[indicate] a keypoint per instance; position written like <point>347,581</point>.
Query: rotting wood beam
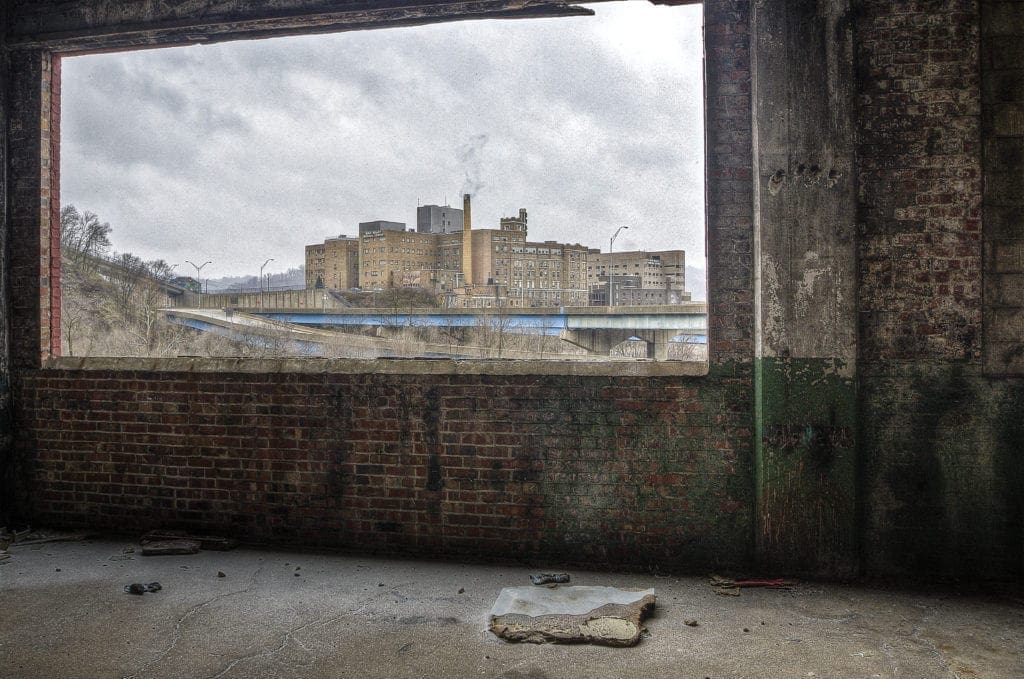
<point>74,26</point>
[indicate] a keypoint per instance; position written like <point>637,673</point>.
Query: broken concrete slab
<point>598,615</point>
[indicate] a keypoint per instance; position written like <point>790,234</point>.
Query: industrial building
<point>637,277</point>
<point>467,267</point>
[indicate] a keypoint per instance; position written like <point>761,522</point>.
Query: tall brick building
<point>860,413</point>
<point>333,264</point>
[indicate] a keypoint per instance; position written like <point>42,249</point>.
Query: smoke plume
<point>471,155</point>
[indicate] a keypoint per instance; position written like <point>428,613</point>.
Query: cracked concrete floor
<point>63,613</point>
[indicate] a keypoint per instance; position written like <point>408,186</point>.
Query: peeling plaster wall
<point>805,273</point>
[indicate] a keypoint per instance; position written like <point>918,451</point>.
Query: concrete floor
<point>63,613</point>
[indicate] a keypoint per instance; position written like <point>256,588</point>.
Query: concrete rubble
<point>598,615</point>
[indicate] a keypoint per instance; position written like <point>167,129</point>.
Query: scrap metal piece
<point>170,547</point>
<point>208,542</point>
<point>548,578</point>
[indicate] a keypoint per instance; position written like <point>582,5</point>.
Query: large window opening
<point>528,189</point>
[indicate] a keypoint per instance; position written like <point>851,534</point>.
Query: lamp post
<point>611,247</point>
<point>199,269</point>
<point>261,280</point>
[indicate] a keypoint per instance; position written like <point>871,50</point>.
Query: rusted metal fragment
<point>170,547</point>
<point>76,26</point>
<point>597,615</point>
<point>210,542</point>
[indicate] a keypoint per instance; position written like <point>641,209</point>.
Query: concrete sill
<point>387,366</point>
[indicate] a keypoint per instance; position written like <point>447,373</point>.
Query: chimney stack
<point>467,240</point>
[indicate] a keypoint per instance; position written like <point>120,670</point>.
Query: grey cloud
<point>253,149</point>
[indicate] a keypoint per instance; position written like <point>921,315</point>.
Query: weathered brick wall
<point>30,207</point>
<point>1002,62</point>
<point>729,164</point>
<point>920,180</point>
<point>6,431</point>
<point>633,472</point>
<point>625,471</point>
<point>941,464</point>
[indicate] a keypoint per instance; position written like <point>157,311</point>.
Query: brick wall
<point>633,472</point>
<point>1002,64</point>
<point>728,166</point>
<point>941,465</point>
<point>6,431</point>
<point>920,180</point>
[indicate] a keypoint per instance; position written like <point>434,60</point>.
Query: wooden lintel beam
<point>74,30</point>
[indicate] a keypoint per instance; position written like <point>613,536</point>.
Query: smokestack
<point>467,240</point>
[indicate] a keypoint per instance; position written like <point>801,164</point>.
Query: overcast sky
<point>242,151</point>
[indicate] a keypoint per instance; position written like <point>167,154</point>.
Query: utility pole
<point>611,247</point>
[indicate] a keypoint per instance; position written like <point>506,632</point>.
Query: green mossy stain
<point>340,409</point>
<point>919,482</point>
<point>432,436</point>
<point>665,481</point>
<point>805,468</point>
<point>1010,467</point>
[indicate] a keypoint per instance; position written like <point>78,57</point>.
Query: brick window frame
<point>34,152</point>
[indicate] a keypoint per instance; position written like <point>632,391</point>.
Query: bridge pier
<point>601,341</point>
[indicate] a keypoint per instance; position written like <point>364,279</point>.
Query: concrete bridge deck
<point>277,335</point>
<point>684,318</point>
<point>595,329</point>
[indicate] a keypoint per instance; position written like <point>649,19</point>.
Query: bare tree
<point>83,235</point>
<point>126,275</point>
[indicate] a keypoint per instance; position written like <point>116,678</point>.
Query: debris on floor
<point>169,547</point>
<point>208,542</point>
<point>598,615</point>
<point>168,542</point>
<point>24,537</point>
<point>139,588</point>
<point>549,578</point>
<point>732,586</point>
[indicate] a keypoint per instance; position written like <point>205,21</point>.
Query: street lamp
<point>261,272</point>
<point>611,247</point>
<point>261,280</point>
<point>199,268</point>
